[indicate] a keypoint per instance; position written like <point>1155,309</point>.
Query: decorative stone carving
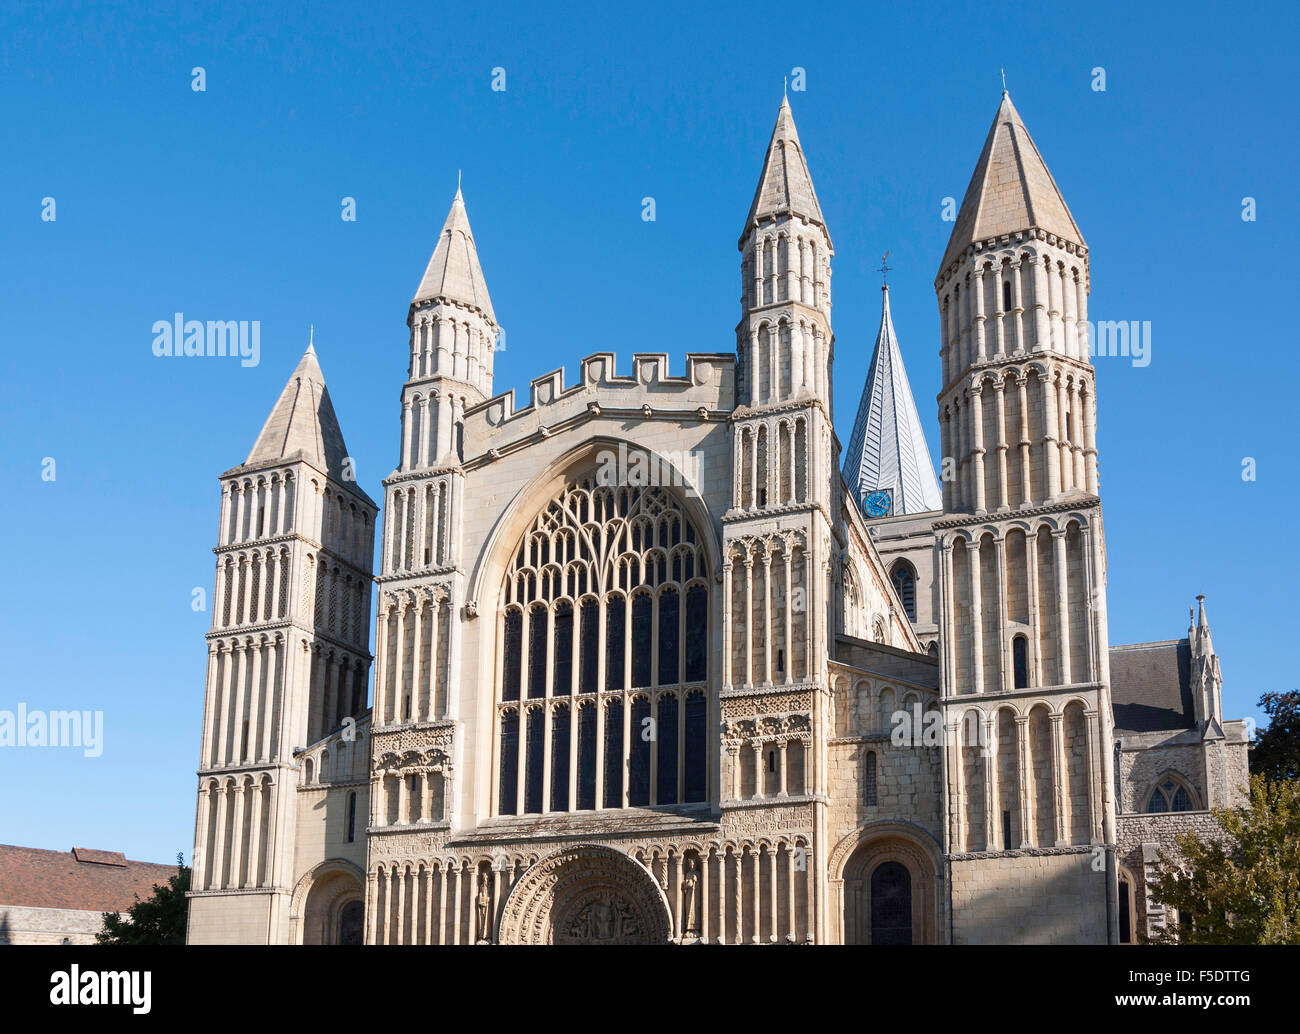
<point>586,894</point>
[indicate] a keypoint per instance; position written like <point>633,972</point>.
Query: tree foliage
<point>159,919</point>
<point>1276,751</point>
<point>1242,887</point>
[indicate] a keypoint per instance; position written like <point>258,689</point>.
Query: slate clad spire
<point>887,449</point>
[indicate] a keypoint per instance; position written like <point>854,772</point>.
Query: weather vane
<point>1004,80</point>
<point>785,87</point>
<point>885,267</point>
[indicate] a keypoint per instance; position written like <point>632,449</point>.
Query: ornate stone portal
<point>586,894</point>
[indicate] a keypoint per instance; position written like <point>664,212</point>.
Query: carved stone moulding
<point>586,894</point>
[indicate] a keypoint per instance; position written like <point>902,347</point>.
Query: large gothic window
<point>604,639</point>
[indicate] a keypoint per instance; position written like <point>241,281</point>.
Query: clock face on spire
<point>879,503</point>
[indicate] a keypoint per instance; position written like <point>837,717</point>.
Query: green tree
<point>1242,887</point>
<point>1276,751</point>
<point>160,919</point>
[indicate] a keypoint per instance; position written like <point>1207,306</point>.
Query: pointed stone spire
<point>1203,628</point>
<point>785,186</point>
<point>1206,678</point>
<point>454,272</point>
<point>1010,190</point>
<point>887,449</point>
<point>302,425</point>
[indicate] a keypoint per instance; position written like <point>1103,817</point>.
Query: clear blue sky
<point>226,205</point>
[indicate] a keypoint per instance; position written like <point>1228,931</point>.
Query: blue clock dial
<point>878,504</point>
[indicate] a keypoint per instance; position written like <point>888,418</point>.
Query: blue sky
<point>225,204</point>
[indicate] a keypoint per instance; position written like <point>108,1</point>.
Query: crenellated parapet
<point>705,392</point>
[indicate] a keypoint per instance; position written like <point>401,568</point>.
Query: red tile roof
<point>97,881</point>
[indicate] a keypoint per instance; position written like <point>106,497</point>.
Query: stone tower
<point>453,333</point>
<point>288,656</point>
<point>777,536</point>
<point>1022,563</point>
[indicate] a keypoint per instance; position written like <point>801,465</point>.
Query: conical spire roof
<point>1010,190</point>
<point>302,425</point>
<point>785,187</point>
<point>454,271</point>
<point>887,448</point>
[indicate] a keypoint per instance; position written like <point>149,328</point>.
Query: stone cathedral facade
<point>653,662</point>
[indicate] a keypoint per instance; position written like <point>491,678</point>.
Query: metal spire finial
<point>785,87</point>
<point>1004,82</point>
<point>884,269</point>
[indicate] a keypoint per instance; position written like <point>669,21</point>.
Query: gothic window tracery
<point>1171,793</point>
<point>604,645</point>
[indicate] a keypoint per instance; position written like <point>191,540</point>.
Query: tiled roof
<point>96,881</point>
<point>1150,687</point>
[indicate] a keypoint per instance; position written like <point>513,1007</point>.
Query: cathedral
<point>655,661</point>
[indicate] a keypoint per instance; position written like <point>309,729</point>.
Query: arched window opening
<point>1006,295</point>
<point>904,579</point>
<point>1020,661</point>
<point>352,817</point>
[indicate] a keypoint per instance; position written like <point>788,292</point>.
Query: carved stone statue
<point>482,901</point>
<point>689,880</point>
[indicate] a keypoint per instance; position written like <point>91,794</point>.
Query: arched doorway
<point>886,878</point>
<point>328,905</point>
<point>587,894</point>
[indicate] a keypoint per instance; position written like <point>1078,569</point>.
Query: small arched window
<point>904,579</point>
<point>1170,794</point>
<point>352,817</point>
<point>1020,661</point>
<point>1006,295</point>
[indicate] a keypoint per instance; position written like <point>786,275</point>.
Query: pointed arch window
<point>606,606</point>
<point>1171,793</point>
